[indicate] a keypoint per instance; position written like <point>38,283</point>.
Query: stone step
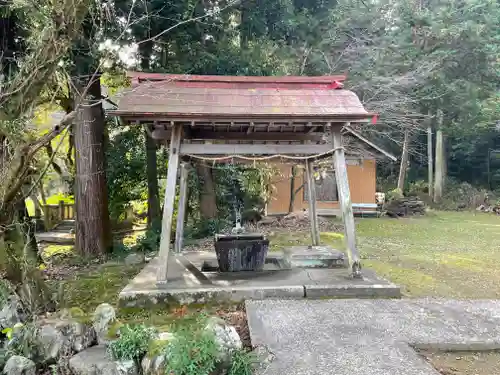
<point>56,237</point>
<point>97,361</point>
<point>66,226</point>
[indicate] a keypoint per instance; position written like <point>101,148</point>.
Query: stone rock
<point>134,259</point>
<point>226,337</point>
<point>51,343</point>
<point>18,365</point>
<point>263,357</point>
<point>126,367</point>
<point>97,361</point>
<point>104,316</point>
<point>153,365</point>
<point>81,336</point>
<point>9,315</point>
<point>78,333</point>
<point>154,361</point>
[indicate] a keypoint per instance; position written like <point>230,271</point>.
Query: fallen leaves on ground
<point>237,317</point>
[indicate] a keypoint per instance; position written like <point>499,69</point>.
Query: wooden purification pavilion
<point>299,118</point>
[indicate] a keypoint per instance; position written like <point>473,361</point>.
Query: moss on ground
<point>58,253</point>
<point>90,287</point>
<point>102,284</point>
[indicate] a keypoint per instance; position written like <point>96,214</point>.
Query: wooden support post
<point>430,163</point>
<point>168,206</point>
<point>311,190</point>
<point>61,211</point>
<point>181,211</point>
<point>344,194</point>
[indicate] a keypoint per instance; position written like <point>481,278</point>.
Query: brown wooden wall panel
<point>280,197</point>
<point>362,182</point>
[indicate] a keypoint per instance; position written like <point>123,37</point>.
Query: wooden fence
<point>56,213</point>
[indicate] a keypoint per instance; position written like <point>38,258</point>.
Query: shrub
<point>418,187</point>
<point>394,194</point>
<point>461,195</point>
<point>133,342</point>
<point>149,241</point>
<point>193,352</point>
<point>241,363</point>
<point>205,228</point>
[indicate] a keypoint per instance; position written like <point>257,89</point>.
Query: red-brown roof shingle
<point>167,98</point>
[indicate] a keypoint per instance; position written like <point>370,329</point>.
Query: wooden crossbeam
<point>253,149</point>
<point>161,134</point>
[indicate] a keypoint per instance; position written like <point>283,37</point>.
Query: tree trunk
<point>28,228</point>
<point>93,235</point>
<point>445,164</point>
<point>208,199</point>
<point>292,189</point>
<point>36,204</point>
<point>154,215</point>
<point>404,161</point>
<point>430,163</point>
<point>145,51</point>
<point>438,180</point>
<point>42,194</point>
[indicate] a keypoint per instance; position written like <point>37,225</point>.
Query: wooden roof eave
<point>169,116</point>
<point>377,148</point>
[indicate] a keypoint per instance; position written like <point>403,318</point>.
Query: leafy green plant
<point>241,362</point>
<point>418,187</point>
<point>5,292</point>
<point>149,241</point>
<point>394,194</point>
<point>4,356</point>
<point>193,352</point>
<point>133,342</point>
<point>22,340</point>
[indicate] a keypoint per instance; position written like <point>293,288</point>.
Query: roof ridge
<point>138,77</point>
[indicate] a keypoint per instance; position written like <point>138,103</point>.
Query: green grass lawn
<point>444,254</point>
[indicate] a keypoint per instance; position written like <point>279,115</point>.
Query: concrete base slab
<point>314,257</point>
<point>368,337</point>
<point>56,237</point>
<point>187,284</point>
<point>289,257</point>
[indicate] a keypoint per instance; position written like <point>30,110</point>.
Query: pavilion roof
<point>221,98</point>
